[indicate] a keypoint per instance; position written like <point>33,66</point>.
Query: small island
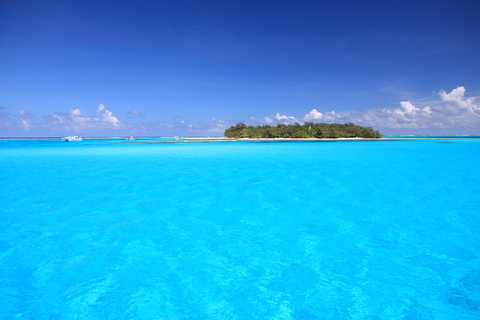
<point>307,130</point>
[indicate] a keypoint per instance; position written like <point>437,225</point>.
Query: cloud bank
<point>453,113</point>
<point>102,124</point>
<point>449,113</point>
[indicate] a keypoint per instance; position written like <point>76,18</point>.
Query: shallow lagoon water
<point>240,230</point>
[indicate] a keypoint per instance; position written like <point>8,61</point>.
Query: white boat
<point>131,138</point>
<point>72,138</point>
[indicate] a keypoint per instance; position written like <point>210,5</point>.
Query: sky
<point>195,68</point>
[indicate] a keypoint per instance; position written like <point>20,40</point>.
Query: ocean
<point>104,229</point>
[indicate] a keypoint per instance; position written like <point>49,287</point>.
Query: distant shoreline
<point>226,139</point>
<point>270,139</point>
<point>330,139</point>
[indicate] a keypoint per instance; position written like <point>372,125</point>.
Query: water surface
<point>237,230</point>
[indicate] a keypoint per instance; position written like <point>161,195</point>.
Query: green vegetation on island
<point>307,130</point>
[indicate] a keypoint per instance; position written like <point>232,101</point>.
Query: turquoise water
<point>240,230</point>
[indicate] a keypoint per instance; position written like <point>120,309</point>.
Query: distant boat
<point>72,138</point>
<point>131,138</point>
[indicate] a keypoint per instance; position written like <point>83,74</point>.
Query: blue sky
<point>165,68</point>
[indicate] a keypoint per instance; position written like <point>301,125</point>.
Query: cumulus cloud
<point>109,118</point>
<point>285,119</point>
<point>408,108</point>
<point>78,122</point>
<point>24,118</point>
<point>313,115</point>
<point>456,97</point>
<point>107,115</point>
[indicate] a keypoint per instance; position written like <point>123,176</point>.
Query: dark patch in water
<point>467,292</point>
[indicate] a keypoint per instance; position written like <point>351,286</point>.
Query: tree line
<point>307,130</point>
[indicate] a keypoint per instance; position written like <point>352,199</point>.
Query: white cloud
<point>24,118</point>
<point>457,98</point>
<point>408,108</point>
<point>109,118</point>
<point>78,122</point>
<point>74,120</point>
<point>218,125</point>
<point>285,119</point>
<point>313,115</point>
<point>331,116</point>
<point>105,123</point>
<point>450,113</point>
<point>268,120</point>
<point>453,112</point>
<point>274,120</point>
<point>427,109</point>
